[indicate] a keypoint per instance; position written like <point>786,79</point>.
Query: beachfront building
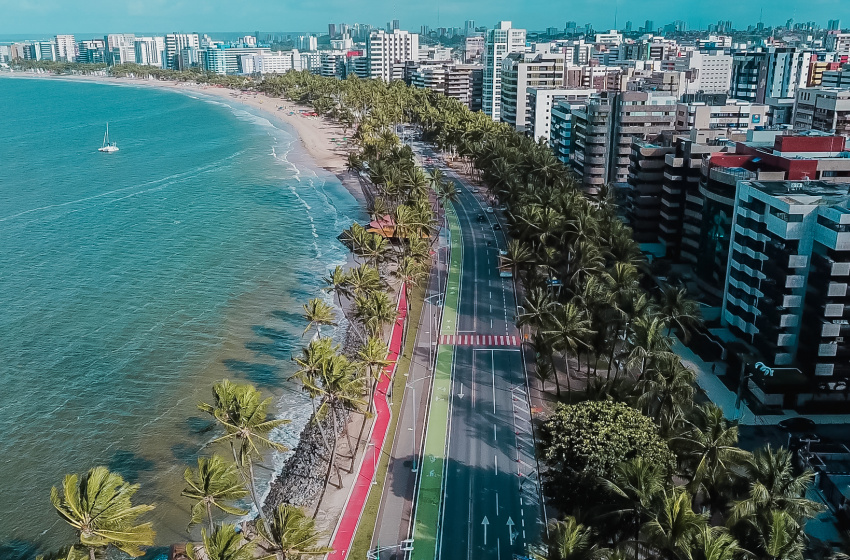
<point>66,48</point>
<point>150,51</point>
<point>120,48</point>
<point>174,45</point>
<point>498,44</point>
<point>388,53</point>
<point>458,81</point>
<point>92,52</point>
<point>787,292</point>
<point>224,59</point>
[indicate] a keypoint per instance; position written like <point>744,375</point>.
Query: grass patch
<point>366,528</point>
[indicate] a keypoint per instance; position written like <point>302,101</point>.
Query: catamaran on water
<point>108,147</point>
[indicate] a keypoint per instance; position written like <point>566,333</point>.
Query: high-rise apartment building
<point>175,43</point>
<point>389,52</point>
<point>772,77</point>
<point>469,27</point>
<point>787,293</point>
<point>120,48</point>
<point>66,48</point>
<point>521,71</point>
<point>498,44</point>
<point>824,109</point>
<point>308,43</point>
<point>150,51</point>
<point>709,71</point>
<point>92,52</point>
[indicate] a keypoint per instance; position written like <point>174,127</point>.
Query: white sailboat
<point>108,147</point>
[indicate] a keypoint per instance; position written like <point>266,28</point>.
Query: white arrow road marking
<point>511,529</point>
<point>485,522</point>
<point>460,395</point>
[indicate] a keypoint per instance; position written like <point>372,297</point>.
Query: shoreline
<point>298,479</point>
<point>325,142</point>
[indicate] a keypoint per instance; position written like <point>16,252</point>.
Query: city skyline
<point>98,16</point>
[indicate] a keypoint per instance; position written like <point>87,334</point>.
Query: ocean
<point>131,282</point>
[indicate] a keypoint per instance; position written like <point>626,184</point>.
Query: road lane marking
<point>493,367</point>
<point>497,504</point>
<point>494,432</point>
<point>496,463</point>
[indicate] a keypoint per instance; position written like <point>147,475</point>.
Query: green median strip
<point>425,526</point>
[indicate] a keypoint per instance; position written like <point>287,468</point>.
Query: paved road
<point>477,458</point>
<point>491,503</point>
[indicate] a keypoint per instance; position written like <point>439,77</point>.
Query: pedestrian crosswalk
<point>479,340</point>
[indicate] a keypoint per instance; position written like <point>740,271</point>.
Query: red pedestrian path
<point>345,529</point>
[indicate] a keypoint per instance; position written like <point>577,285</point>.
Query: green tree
<point>98,505</point>
<point>679,311</point>
<point>583,443</point>
<point>212,485</point>
<point>291,534</point>
<point>570,540</point>
<point>224,543</point>
<point>318,313</point>
<point>243,413</point>
<point>673,531</point>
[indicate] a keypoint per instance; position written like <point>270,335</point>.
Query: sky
<point>49,17</point>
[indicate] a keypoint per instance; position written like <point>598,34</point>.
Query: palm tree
<point>311,363</point>
<point>713,543</point>
<point>318,313</point>
<point>518,255</point>
<point>364,279</point>
<point>224,543</point>
<point>667,390</point>
<point>342,388</point>
<point>337,282</point>
<point>648,342</point>
<point>636,486</point>
<point>570,540</point>
<point>375,311</point>
<point>291,534</point>
<point>212,485</point>
<point>775,486</point>
<point>98,505</point>
<point>679,311</point>
<point>709,452</point>
<point>410,273</point>
<point>570,329</point>
<point>676,525</point>
<point>244,415</point>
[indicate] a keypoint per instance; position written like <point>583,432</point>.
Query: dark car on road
<point>798,424</point>
<point>481,218</point>
<point>497,227</point>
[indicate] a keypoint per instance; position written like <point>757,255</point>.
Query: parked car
<point>489,209</point>
<point>476,190</point>
<point>506,274</point>
<point>497,227</point>
<point>481,218</point>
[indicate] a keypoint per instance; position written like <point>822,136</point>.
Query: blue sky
<point>97,16</point>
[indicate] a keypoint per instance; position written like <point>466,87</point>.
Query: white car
<point>506,274</point>
<point>476,190</point>
<point>489,209</point>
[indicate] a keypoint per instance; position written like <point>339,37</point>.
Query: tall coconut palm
<point>667,390</point>
<point>570,540</point>
<point>290,534</point>
<point>636,487</point>
<point>647,343</point>
<point>223,543</point>
<point>679,311</point>
<point>311,363</point>
<point>708,451</point>
<point>98,506</point>
<point>570,330</point>
<point>713,543</point>
<point>775,486</point>
<point>318,313</point>
<point>243,413</point>
<point>673,530</point>
<point>212,485</point>
<point>375,311</point>
<point>342,388</point>
<point>518,254</point>
<point>364,279</point>
<point>337,283</point>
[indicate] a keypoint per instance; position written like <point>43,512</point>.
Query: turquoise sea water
<point>130,282</point>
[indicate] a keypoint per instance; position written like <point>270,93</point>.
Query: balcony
<point>729,175</point>
<point>793,301</point>
<point>836,289</point>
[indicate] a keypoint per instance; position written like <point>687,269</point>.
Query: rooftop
<point>794,192</point>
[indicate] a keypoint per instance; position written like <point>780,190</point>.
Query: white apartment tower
<point>150,51</point>
<point>387,53</point>
<point>174,45</point>
<point>498,43</point>
<point>121,47</point>
<point>66,48</point>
